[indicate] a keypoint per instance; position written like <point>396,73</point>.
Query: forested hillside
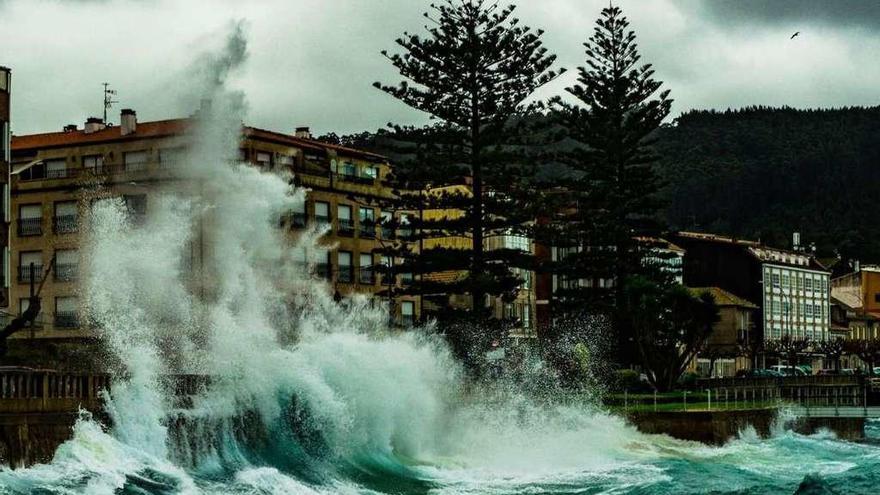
<point>764,173</point>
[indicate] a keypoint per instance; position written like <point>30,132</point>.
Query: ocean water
<point>310,396</point>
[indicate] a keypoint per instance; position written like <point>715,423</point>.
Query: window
<point>30,220</point>
<point>366,269</point>
<point>345,224</point>
<point>66,265</point>
<point>367,218</point>
<point>66,312</point>
<point>135,160</point>
<point>786,281</point>
<point>775,279</point>
<point>345,267</point>
<point>808,283</point>
<point>35,171</point>
<point>56,169</point>
<point>323,269</point>
<point>23,304</point>
<point>285,160</point>
<point>322,213</point>
<point>817,311</point>
<point>4,80</point>
<point>407,312</point>
<point>264,159</point>
<point>775,307</point>
<point>405,231</point>
<point>136,205</point>
<point>387,268</point>
<point>387,229</point>
<point>26,260</point>
<point>371,172</point>
<point>877,297</point>
<point>94,163</point>
<point>65,219</point>
<point>169,157</point>
<point>349,168</point>
<point>809,313</point>
<point>298,216</point>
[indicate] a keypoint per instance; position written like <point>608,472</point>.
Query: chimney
<point>128,121</point>
<point>303,132</point>
<point>93,124</point>
<point>70,128</point>
<point>796,241</point>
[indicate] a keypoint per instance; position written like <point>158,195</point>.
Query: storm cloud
<point>312,62</point>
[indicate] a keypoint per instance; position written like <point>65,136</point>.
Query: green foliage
<point>763,173</point>
<point>471,72</point>
<point>669,326</point>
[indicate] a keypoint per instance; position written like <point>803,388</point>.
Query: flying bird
<point>795,34</point>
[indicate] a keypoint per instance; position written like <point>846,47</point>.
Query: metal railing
<point>367,276</point>
<point>356,179</point>
<point>30,226</point>
<point>66,319</point>
<point>345,227</point>
<point>322,270</point>
<point>64,224</point>
<point>345,274</point>
<point>24,273</point>
<point>368,229</point>
<point>297,220</point>
<point>66,272</point>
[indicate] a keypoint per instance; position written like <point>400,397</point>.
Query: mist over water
<point>312,396</point>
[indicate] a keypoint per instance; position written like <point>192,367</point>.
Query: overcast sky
<point>312,62</point>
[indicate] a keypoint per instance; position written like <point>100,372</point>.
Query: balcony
<point>297,220</point>
<point>30,226</point>
<point>66,272</point>
<point>355,179</point>
<point>345,228</point>
<point>66,319</point>
<point>367,276</point>
<point>64,224</point>
<point>345,275</point>
<point>60,173</point>
<point>322,221</point>
<point>322,270</point>
<point>24,274</point>
<point>368,229</point>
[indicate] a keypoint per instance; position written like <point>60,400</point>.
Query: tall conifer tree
<point>611,200</point>
<point>471,72</point>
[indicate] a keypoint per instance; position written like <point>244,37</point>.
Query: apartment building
<point>5,158</point>
<point>54,178</point>
<point>790,289</point>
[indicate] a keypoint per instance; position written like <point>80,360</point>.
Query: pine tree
<point>611,199</point>
<point>471,73</point>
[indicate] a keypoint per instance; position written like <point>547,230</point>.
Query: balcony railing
<point>66,272</point>
<point>367,276</point>
<point>297,220</point>
<point>24,273</point>
<point>59,174</point>
<point>66,319</point>
<point>345,228</point>
<point>355,179</point>
<point>387,232</point>
<point>30,226</point>
<point>64,224</point>
<point>368,229</point>
<point>322,221</point>
<point>322,270</point>
<point>345,275</point>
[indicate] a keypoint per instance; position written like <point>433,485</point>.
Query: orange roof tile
<point>159,128</point>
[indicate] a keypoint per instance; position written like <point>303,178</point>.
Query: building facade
<point>721,354</point>
<point>790,288</point>
<point>55,177</point>
<point>5,159</point>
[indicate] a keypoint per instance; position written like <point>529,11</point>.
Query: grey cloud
<point>842,13</point>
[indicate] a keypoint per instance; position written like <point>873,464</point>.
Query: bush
<point>627,380</point>
<point>688,380</point>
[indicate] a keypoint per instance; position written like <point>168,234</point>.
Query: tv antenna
<point>108,99</point>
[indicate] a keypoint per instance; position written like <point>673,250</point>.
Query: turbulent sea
<point>312,396</point>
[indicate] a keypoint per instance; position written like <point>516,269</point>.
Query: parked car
<point>786,370</point>
<point>758,373</point>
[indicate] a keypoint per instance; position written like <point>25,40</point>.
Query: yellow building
<point>53,179</point>
<point>522,307</point>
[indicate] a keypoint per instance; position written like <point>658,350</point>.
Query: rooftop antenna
<point>108,99</point>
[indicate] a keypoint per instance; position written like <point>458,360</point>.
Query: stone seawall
<point>716,427</point>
